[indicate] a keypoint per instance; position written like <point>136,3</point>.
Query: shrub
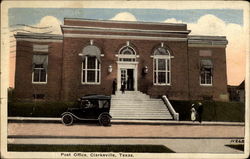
<point>37,109</point>
<point>212,110</point>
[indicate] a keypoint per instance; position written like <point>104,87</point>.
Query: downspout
<point>62,53</point>
<point>188,71</point>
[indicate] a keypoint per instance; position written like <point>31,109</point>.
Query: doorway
<point>130,79</point>
<point>128,73</point>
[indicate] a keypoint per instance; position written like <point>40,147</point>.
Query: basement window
<point>38,96</point>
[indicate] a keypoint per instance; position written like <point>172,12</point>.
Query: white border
<point>112,4</point>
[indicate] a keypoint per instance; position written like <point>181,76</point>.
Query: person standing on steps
<point>193,113</point>
<point>123,86</point>
<point>114,85</point>
<point>200,111</point>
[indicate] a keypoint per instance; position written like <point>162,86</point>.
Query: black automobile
<point>90,107</point>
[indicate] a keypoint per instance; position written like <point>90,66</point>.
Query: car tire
<point>104,120</point>
<point>67,119</point>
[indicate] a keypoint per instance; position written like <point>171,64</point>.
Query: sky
<point>217,22</point>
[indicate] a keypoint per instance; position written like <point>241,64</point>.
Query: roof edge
<point>128,22</point>
<point>38,36</point>
<point>206,37</point>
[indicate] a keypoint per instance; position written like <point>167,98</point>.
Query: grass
<point>237,147</point>
<point>90,148</point>
<point>212,110</point>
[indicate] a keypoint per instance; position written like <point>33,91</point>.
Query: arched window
<point>91,66</point>
<point>162,66</point>
<point>127,54</point>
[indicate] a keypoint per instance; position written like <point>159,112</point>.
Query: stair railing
<point>170,108</point>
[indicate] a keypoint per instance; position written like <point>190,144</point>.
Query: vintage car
<point>89,107</point>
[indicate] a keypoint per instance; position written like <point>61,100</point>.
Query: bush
<point>10,94</point>
<point>38,109</point>
<point>212,110</point>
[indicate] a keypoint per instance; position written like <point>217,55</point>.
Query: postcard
<point>124,79</point>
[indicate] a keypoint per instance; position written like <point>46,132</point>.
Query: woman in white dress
<point>193,113</point>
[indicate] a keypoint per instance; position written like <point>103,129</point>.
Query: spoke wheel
<point>67,119</point>
<point>104,120</point>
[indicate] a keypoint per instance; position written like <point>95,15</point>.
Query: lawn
<point>90,148</point>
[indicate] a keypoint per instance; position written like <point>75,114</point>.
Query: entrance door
<point>124,76</point>
<point>130,79</point>
<point>127,75</point>
<point>127,72</point>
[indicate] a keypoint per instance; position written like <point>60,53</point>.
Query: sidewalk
<point>115,121</point>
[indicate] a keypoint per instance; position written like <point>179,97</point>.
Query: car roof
<point>95,97</point>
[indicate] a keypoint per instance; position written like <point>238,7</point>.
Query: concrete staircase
<point>135,105</point>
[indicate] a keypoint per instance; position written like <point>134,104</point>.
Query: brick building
<point>153,58</point>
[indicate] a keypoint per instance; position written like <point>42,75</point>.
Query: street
<point>180,138</point>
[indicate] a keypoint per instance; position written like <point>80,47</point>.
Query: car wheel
<point>67,119</point>
<point>104,120</point>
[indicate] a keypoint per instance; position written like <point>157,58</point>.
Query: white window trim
<point>206,84</point>
<point>96,71</point>
<point>166,58</point>
<point>127,56</point>
<point>46,79</point>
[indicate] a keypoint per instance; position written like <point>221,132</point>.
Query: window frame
<point>167,71</point>
<point>46,76</point>
<point>206,74</point>
<point>85,70</point>
<point>122,56</point>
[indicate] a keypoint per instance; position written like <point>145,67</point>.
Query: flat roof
<point>38,36</point>
<point>126,22</point>
<point>206,37</point>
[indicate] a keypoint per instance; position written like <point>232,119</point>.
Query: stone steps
<point>136,105</point>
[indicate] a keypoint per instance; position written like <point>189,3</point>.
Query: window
<point>127,54</point>
<point>206,67</point>
<point>91,70</point>
<point>91,58</point>
<point>38,96</point>
<point>40,64</point>
<point>161,66</point>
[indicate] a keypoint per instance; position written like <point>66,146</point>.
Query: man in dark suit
<point>200,111</point>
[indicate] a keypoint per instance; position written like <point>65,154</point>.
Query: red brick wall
<point>219,86</point>
<point>64,65</point>
<point>73,88</point>
<point>178,86</point>
<point>72,62</point>
<point>24,89</point>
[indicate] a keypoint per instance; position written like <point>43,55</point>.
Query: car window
<point>93,104</point>
<point>103,103</point>
<point>86,104</point>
